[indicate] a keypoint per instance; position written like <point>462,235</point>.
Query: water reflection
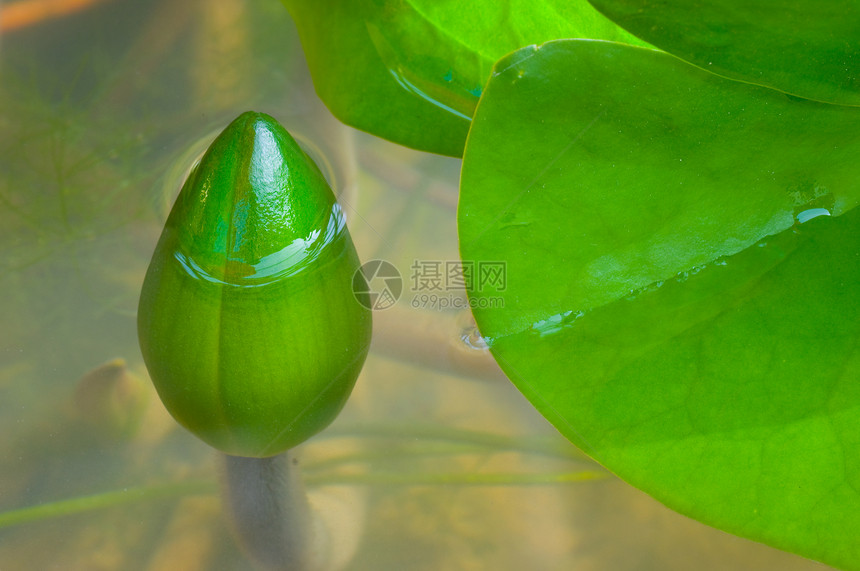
<point>296,257</point>
<point>808,215</point>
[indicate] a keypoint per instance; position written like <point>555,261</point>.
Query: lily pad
<point>805,47</point>
<point>664,307</point>
<point>412,71</point>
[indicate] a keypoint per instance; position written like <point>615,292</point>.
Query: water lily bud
<point>110,400</point>
<point>247,319</point>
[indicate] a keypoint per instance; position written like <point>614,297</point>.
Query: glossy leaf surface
<point>412,71</point>
<point>807,48</point>
<point>247,321</point>
<point>663,306</point>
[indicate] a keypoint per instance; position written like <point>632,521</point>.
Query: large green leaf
<point>810,48</point>
<point>411,71</point>
<point>664,307</point>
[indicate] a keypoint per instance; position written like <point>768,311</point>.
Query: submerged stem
<point>265,501</point>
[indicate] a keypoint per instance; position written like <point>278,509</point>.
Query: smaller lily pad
<point>412,71</point>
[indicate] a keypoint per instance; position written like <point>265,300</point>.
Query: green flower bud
<point>247,320</point>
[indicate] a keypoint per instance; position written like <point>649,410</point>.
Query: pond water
<point>437,462</point>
